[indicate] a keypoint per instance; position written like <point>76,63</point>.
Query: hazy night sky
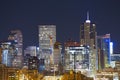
<point>67,15</point>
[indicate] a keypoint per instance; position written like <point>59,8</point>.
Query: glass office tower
<point>103,43</point>
<point>47,38</point>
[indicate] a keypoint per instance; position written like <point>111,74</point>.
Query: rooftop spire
<point>87,21</point>
<point>87,15</point>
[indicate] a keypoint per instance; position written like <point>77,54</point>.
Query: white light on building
<point>111,47</point>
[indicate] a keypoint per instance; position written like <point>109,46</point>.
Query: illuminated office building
<point>7,54</point>
<point>30,50</point>
<point>114,58</point>
<point>17,39</point>
<point>88,37</point>
<point>7,73</point>
<point>57,55</point>
<point>117,65</point>
<point>103,43</point>
<point>47,38</point>
<point>3,72</point>
<point>76,57</point>
<point>108,74</point>
<point>55,58</point>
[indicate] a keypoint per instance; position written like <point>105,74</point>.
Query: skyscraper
<point>57,55</point>
<point>17,39</point>
<point>8,53</point>
<point>88,33</point>
<point>88,37</point>
<point>76,57</point>
<point>103,43</point>
<point>47,38</point>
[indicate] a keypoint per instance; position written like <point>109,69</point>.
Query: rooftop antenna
<point>87,21</point>
<point>87,15</point>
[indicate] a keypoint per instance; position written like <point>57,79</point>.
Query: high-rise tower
<point>103,43</point>
<point>17,39</point>
<point>7,53</point>
<point>88,33</point>
<point>76,57</point>
<point>88,37</point>
<point>47,38</point>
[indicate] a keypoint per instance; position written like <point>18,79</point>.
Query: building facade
<point>57,56</point>
<point>8,53</point>
<point>16,38</point>
<point>88,37</point>
<point>76,57</point>
<point>103,43</point>
<point>31,50</point>
<point>47,38</point>
<point>33,63</point>
<point>8,73</point>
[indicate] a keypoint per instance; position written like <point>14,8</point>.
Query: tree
<point>65,76</point>
<point>72,76</point>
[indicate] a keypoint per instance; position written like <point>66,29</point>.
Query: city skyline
<point>26,16</point>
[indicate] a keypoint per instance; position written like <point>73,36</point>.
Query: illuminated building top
<point>87,21</point>
<point>71,43</point>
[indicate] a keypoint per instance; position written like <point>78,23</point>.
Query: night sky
<point>67,15</point>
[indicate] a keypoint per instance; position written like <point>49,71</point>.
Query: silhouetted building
<point>41,65</point>
<point>26,60</point>
<point>33,63</point>
<point>101,61</point>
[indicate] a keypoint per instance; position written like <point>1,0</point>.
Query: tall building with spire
<point>88,37</point>
<point>88,33</point>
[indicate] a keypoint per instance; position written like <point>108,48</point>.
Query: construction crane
<point>52,55</point>
<point>51,50</point>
